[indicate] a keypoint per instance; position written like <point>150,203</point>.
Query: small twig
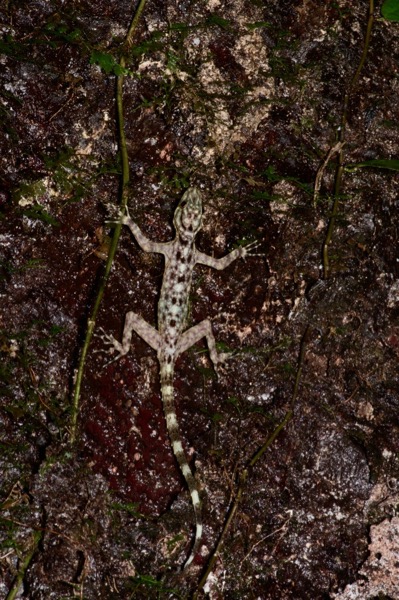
<point>67,101</point>
<point>37,535</point>
<point>283,529</point>
<point>123,200</point>
<point>36,386</point>
<point>320,173</point>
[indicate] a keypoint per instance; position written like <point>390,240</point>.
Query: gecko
<point>171,338</point>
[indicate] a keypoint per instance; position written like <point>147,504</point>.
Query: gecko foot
<point>248,250</point>
<point>117,216</point>
<point>219,364</point>
<point>113,344</point>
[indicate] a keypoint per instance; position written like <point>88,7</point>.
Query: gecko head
<point>188,214</point>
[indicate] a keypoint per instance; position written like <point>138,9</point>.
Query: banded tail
<point>167,370</point>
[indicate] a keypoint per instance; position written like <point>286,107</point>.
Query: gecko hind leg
<point>133,322</point>
<point>194,334</point>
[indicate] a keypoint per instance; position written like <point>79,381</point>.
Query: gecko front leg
<point>145,244</point>
<point>225,261</point>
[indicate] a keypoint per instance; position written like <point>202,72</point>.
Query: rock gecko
<point>172,338</point>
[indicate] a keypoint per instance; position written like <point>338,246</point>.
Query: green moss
<point>108,63</point>
<point>132,508</point>
<point>145,586</point>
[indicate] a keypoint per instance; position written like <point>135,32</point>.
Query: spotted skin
<point>171,338</point>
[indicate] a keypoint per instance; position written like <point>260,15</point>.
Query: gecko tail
<point>196,547</point>
<point>175,438</point>
<point>192,486</point>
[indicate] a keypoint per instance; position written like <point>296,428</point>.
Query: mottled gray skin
<point>171,338</point>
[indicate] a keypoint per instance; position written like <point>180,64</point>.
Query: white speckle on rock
<point>393,294</point>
